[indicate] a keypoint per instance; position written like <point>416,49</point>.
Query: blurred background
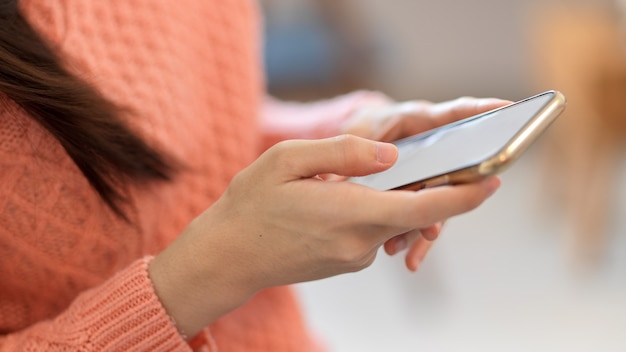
<point>542,265</point>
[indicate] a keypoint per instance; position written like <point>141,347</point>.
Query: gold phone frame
<point>509,153</point>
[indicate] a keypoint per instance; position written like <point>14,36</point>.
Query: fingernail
<point>493,186</point>
<point>414,265</point>
<point>386,153</point>
<point>401,244</point>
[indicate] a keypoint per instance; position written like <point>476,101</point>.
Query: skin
<point>387,121</point>
<point>280,223</point>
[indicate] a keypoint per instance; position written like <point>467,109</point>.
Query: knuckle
<point>412,106</point>
<point>364,262</point>
<point>347,257</point>
<point>347,141</point>
<point>279,149</point>
<point>238,179</point>
<point>467,102</point>
<point>464,100</point>
<point>346,147</point>
<point>349,253</point>
<point>374,97</point>
<point>238,185</point>
<point>281,157</point>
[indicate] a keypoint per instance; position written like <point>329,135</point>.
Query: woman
<point>101,181</point>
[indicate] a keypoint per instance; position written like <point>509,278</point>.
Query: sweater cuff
<point>125,314</point>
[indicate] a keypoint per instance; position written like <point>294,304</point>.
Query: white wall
<point>446,48</point>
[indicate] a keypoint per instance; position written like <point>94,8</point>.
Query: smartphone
<point>470,149</point>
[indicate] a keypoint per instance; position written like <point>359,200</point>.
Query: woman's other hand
<point>379,118</point>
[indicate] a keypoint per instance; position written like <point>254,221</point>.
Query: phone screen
<point>455,146</point>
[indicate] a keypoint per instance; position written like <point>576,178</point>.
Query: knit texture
<point>72,277</point>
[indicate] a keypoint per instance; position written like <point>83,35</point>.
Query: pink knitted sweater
<point>73,275</point>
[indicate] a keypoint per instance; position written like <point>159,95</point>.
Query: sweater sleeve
<point>122,314</point>
<point>282,120</point>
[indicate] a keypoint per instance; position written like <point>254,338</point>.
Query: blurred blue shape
<point>303,53</point>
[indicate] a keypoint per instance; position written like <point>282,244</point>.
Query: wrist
<point>195,292</point>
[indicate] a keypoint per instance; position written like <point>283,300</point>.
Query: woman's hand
<point>279,223</point>
<point>383,120</point>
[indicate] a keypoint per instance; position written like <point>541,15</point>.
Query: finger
<point>343,155</point>
<point>405,119</point>
<point>461,108</point>
<point>410,210</point>
<point>405,240</point>
<point>416,254</point>
<point>432,232</point>
<point>413,117</point>
<point>401,242</point>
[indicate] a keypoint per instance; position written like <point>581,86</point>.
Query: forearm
<point>195,281</point>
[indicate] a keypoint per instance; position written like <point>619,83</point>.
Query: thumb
<point>345,155</point>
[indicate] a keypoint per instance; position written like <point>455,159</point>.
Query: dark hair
<point>82,120</point>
